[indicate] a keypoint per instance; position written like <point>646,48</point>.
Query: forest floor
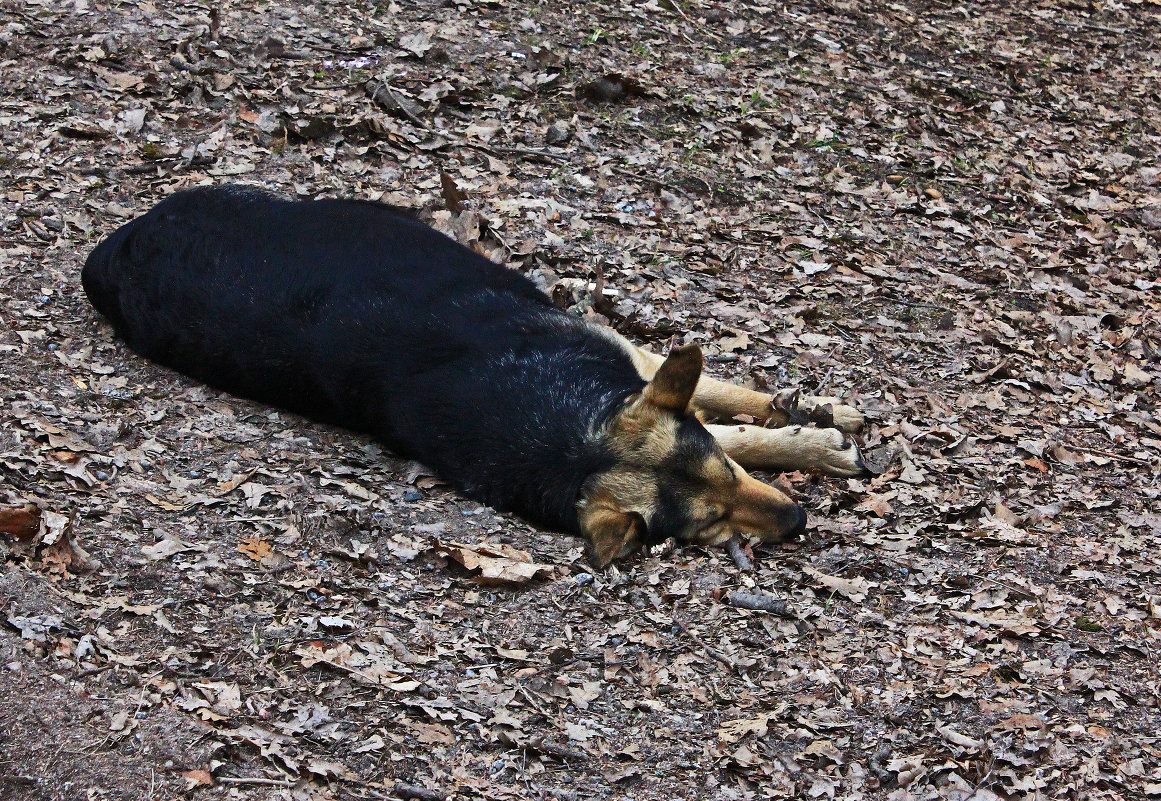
<point>949,214</point>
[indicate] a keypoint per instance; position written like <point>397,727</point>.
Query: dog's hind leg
<point>826,450</point>
<point>813,409</point>
<point>712,398</point>
<point>723,400</point>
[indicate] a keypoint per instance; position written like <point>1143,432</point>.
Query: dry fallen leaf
<point>168,546</point>
<point>21,523</point>
<point>734,730</point>
<point>58,549</point>
<point>856,589</point>
<point>416,43</point>
<point>497,563</point>
<point>255,547</point>
<point>197,778</point>
<point>36,628</point>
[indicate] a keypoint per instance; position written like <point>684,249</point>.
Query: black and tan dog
<point>354,313</point>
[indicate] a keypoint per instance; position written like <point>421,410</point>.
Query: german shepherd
<point>354,313</point>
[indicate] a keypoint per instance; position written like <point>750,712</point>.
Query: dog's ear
<point>673,385</point>
<point>613,534</point>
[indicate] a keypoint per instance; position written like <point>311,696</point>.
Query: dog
<point>355,313</point>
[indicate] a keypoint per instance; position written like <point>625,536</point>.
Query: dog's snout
<point>796,525</point>
<point>767,513</point>
<point>787,523</point>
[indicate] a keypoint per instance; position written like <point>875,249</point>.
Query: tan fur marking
<point>625,489</point>
<point>612,513</point>
<point>613,534</point>
<point>752,499</point>
<point>619,501</point>
<point>752,507</point>
<point>643,430</point>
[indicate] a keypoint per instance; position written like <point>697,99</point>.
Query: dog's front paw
<point>836,454</point>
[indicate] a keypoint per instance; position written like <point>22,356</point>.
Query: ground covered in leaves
<point>947,213</point>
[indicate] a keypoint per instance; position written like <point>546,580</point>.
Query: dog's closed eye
<point>710,516</point>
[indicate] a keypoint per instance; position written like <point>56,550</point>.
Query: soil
<point>948,215</point>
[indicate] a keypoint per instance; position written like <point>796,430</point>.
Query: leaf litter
<point>949,215</point>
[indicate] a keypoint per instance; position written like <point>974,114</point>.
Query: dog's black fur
<point>354,313</point>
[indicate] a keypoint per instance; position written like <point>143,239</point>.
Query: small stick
<point>1022,593</point>
<point>558,751</point>
<point>715,654</point>
<point>734,548</point>
<point>658,182</point>
<point>253,780</point>
<point>542,155</point>
<point>393,102</point>
<point>759,602</point>
<point>415,791</point>
<point>1109,455</point>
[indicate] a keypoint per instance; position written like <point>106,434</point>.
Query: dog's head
<point>672,479</point>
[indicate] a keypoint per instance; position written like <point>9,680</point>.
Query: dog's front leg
<point>826,450</point>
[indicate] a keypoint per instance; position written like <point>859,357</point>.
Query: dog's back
<point>354,313</point>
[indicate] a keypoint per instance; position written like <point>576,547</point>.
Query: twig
<point>736,552</point>
<point>673,6</point>
<point>759,602</point>
<point>1110,455</point>
<point>381,93</point>
<point>253,780</point>
<point>175,162</point>
<point>532,700</point>
<point>1020,592</point>
<point>558,751</point>
<point>821,386</point>
<point>402,790</point>
<point>718,655</point>
<point>543,155</point>
<point>84,674</point>
<point>658,182</point>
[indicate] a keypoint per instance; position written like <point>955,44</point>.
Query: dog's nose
<point>797,526</point>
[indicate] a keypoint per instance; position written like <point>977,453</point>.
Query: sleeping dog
<point>356,314</point>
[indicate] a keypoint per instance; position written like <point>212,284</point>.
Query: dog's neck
<point>539,465</point>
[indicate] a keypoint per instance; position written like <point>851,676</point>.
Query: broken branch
<point>759,602</point>
<point>738,554</point>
